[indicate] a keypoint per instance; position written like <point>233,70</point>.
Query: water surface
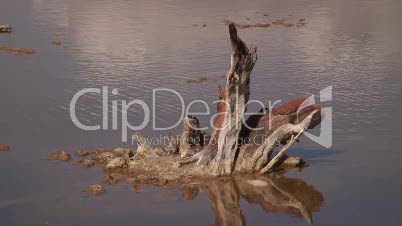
<point>137,46</point>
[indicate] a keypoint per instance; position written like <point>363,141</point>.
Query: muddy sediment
<point>120,165</point>
<point>273,193</point>
<point>123,165</point>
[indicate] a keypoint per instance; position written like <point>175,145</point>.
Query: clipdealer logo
<point>324,138</point>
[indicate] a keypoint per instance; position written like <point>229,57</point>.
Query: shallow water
<point>137,46</point>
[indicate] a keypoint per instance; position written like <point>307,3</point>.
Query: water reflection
<point>274,194</point>
<point>138,45</point>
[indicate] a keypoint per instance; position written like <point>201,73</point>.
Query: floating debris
<point>241,26</point>
<point>17,52</point>
<point>79,162</point>
<point>95,189</point>
<point>81,153</point>
<point>56,43</point>
<point>5,28</point>
<point>280,21</point>
<point>199,80</point>
<point>288,25</point>
<point>5,148</point>
<point>196,25</point>
<point>61,156</point>
<point>301,22</point>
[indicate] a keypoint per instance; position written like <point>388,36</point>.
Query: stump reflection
<point>274,194</point>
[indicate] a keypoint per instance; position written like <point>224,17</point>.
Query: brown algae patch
<point>241,26</point>
<point>301,22</point>
<point>17,52</point>
<point>81,153</point>
<point>198,80</point>
<point>5,148</point>
<point>95,189</point>
<point>60,156</point>
<point>277,22</point>
<point>56,43</point>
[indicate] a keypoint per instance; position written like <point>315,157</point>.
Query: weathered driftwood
<point>274,161</point>
<point>194,162</point>
<point>224,154</point>
<point>191,137</point>
<point>236,96</point>
<point>263,154</point>
<point>221,152</point>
